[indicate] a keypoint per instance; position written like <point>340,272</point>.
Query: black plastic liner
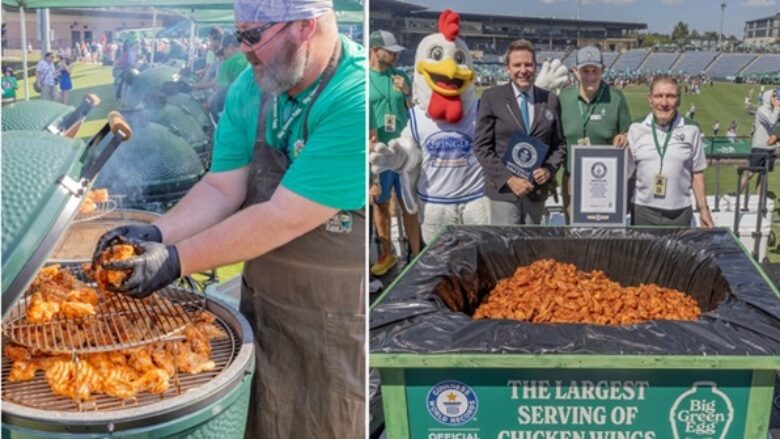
<point>428,309</point>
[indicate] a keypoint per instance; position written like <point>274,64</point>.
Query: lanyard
<point>389,90</point>
<point>591,108</point>
<point>281,132</point>
<point>662,152</point>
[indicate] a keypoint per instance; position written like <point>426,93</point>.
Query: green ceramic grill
<point>44,179</point>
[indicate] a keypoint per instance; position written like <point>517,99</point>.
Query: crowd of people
<point>53,78</point>
<point>665,147</point>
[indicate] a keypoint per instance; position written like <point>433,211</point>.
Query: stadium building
<point>489,35</point>
<point>762,31</point>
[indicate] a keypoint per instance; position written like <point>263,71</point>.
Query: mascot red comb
<point>434,155</point>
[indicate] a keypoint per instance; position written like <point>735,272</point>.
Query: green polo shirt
<point>384,99</point>
<point>231,68</point>
<point>9,87</point>
<point>602,119</point>
<point>331,167</point>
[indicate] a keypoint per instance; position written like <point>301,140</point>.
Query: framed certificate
<point>599,186</point>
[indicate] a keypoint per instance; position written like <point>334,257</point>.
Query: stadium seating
<point>658,62</point>
<point>767,63</point>
<point>570,59</point>
<point>544,55</point>
<point>630,60</point>
<point>693,63</point>
<point>729,64</point>
<point>609,58</point>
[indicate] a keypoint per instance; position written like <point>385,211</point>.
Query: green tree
<point>653,39</point>
<point>680,32</point>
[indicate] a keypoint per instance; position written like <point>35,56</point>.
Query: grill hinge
<point>77,188</point>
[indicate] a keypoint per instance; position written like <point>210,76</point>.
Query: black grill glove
<point>140,232</point>
<point>155,266</point>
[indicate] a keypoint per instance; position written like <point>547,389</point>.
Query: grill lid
<point>192,108</point>
<point>155,161</point>
<point>148,83</point>
<point>36,206</point>
<point>44,179</point>
<point>32,115</point>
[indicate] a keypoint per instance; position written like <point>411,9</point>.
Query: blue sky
<point>660,15</point>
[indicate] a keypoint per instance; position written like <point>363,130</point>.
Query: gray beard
<point>283,73</point>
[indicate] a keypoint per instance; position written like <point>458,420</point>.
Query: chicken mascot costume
<point>434,154</point>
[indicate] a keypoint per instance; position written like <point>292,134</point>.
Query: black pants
<point>650,216</point>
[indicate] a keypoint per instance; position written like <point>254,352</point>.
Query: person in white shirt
<point>767,116</point>
<point>44,77</point>
<point>667,153</point>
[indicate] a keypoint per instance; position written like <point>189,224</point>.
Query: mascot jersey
<point>443,118</point>
<point>449,173</point>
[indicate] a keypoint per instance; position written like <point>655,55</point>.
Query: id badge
<point>389,123</point>
<point>584,141</point>
<point>340,223</point>
<point>659,186</point>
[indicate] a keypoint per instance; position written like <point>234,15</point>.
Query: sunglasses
<point>250,37</point>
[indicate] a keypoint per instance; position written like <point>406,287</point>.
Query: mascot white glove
<point>401,156</point>
<point>552,75</point>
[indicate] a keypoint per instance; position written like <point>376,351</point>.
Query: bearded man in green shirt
<point>593,113</point>
<point>286,193</point>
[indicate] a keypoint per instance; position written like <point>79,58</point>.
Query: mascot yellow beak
<point>445,77</point>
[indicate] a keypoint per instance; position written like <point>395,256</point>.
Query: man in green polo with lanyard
<point>286,193</point>
<point>389,92</point>
<point>233,63</point>
<point>593,113</point>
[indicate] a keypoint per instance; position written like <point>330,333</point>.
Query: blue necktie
<point>524,111</point>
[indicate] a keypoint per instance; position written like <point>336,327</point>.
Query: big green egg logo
<point>703,411</point>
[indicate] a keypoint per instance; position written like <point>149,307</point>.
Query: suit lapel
<point>514,107</point>
<point>540,105</point>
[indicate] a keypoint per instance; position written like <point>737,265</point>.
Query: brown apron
<point>305,302</point>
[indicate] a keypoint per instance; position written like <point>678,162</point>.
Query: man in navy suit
<point>509,110</point>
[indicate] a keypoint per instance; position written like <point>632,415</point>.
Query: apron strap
<point>327,75</point>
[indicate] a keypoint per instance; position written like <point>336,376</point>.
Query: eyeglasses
<point>250,37</point>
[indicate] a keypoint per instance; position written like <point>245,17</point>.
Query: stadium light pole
<point>722,14</point>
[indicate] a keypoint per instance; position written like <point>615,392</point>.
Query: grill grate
<point>120,322</point>
<point>101,209</point>
<point>37,394</point>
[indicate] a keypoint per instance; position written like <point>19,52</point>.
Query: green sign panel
<point>724,146</point>
<point>577,404</point>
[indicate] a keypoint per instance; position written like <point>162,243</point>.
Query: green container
<point>496,390</point>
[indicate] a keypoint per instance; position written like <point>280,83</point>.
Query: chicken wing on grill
<point>22,370</point>
<point>118,382</point>
<point>155,381</point>
<point>91,199</point>
<point>17,353</point>
<point>190,362</point>
<point>73,310</point>
<point>164,359</point>
<point>41,310</point>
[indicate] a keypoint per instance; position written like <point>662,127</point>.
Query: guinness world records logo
<point>452,402</point>
<point>598,170</point>
<point>524,154</point>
